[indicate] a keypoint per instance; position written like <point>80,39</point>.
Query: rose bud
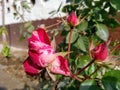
<point>72,19</point>
<point>100,52</point>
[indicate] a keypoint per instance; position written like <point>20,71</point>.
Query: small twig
<point>53,25</point>
<point>115,47</point>
<point>81,70</point>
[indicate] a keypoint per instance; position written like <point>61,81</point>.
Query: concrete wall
<point>39,10</point>
<point>14,32</point>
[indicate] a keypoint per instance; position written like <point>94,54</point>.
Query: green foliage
<point>25,5</point>
<point>26,30</point>
<point>111,80</point>
<point>115,4</point>
<point>82,61</point>
<point>3,30</point>
<point>82,26</point>
<point>6,51</point>
<point>73,37</point>
<point>95,17</point>
<point>89,85</point>
<point>82,43</point>
<point>102,32</point>
<point>29,27</point>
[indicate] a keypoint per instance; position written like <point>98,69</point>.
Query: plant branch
<point>76,78</point>
<point>95,71</point>
<point>81,70</point>
<point>92,73</point>
<point>53,25</point>
<point>69,42</point>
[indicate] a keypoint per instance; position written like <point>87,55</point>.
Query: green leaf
<point>111,80</point>
<point>82,26</point>
<point>25,5</point>
<point>6,51</point>
<point>77,1</point>
<point>115,4</point>
<point>89,3</point>
<point>28,35</point>
<point>102,32</point>
<point>112,23</point>
<point>82,43</point>
<point>73,37</point>
<point>90,69</point>
<point>22,38</point>
<point>69,8</point>
<point>89,85</point>
<point>82,61</point>
<point>2,30</point>
<point>29,27</point>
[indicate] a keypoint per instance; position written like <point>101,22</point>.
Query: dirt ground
<point>12,75</point>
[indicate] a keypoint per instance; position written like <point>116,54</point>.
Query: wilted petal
<point>60,66</point>
<point>72,19</point>
<point>30,68</point>
<point>39,37</point>
<point>43,57</point>
<point>100,52</point>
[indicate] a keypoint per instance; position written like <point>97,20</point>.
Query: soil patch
<point>13,69</point>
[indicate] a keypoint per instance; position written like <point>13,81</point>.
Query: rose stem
<point>92,73</point>
<point>115,47</point>
<point>81,70</point>
<point>69,42</point>
<point>76,78</point>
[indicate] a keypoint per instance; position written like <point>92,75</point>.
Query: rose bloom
<point>43,56</point>
<point>100,52</point>
<point>72,19</point>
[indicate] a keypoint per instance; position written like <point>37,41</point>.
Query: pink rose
<point>42,54</point>
<point>40,49</point>
<point>72,19</point>
<point>100,52</point>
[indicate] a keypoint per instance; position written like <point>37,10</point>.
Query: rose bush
<point>86,59</point>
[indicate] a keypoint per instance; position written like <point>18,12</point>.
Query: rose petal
<point>38,37</point>
<point>43,57</point>
<point>60,66</point>
<point>30,68</point>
